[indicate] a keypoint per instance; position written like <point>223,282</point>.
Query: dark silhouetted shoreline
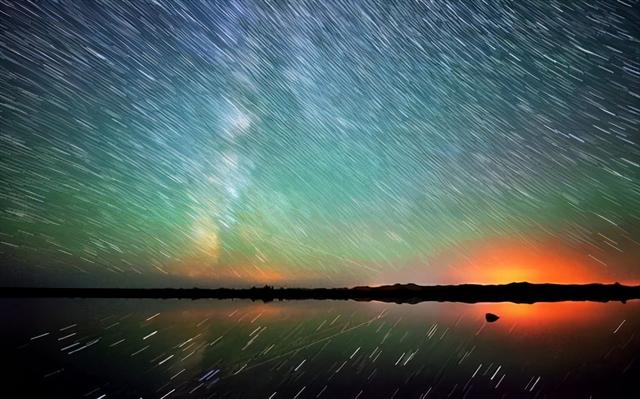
<point>398,293</point>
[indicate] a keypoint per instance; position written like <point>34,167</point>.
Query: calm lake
<point>88,348</point>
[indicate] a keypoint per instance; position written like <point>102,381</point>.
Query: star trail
<point>317,143</point>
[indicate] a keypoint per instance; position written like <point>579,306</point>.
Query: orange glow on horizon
<point>202,271</point>
<point>504,262</point>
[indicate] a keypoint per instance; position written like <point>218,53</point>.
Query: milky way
<point>312,142</point>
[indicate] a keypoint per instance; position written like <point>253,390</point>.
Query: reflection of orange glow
<point>546,315</point>
<point>237,311</point>
<point>241,311</point>
<point>542,317</point>
<point>506,262</point>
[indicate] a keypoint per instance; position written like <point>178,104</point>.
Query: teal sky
<point>235,143</point>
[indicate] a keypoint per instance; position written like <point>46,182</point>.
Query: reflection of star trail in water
<point>200,143</point>
<point>328,349</point>
<point>307,345</point>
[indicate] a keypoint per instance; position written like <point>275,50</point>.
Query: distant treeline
<point>398,293</point>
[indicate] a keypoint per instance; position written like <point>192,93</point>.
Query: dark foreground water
<point>317,349</point>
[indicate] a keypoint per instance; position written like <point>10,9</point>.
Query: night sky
<point>318,143</point>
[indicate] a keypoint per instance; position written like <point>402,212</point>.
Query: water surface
<point>89,348</point>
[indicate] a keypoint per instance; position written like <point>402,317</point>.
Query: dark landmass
<point>490,317</point>
<point>398,293</point>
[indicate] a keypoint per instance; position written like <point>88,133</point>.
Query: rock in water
<point>490,317</point>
